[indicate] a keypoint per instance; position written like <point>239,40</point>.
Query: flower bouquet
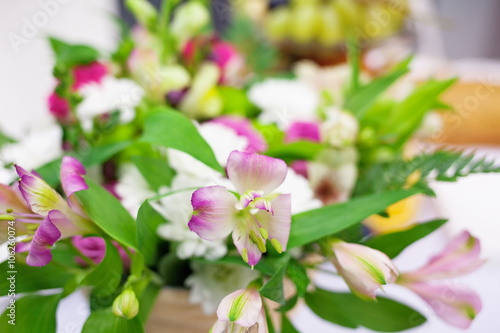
<point>183,160</point>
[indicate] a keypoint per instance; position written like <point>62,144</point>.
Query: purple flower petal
<point>243,127</point>
<point>45,237</point>
<point>459,257</point>
<point>249,171</point>
<point>38,194</point>
<point>72,172</point>
<point>303,130</point>
<point>456,305</point>
<point>214,211</point>
<point>92,247</point>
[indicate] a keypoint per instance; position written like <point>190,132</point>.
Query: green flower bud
<point>126,305</point>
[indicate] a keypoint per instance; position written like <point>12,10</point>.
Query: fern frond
<point>442,165</point>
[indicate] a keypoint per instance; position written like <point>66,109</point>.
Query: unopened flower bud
<point>340,129</point>
<point>126,305</point>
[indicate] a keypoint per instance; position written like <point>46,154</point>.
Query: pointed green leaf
<point>344,309</point>
<point>108,213</point>
<point>107,275</point>
<point>106,321</point>
<point>172,129</point>
<point>394,243</point>
<point>313,225</point>
<point>33,313</point>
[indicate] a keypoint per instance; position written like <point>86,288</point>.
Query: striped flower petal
<point>38,194</point>
<point>364,269</point>
<point>45,236</point>
<point>242,307</point>
<point>72,172</point>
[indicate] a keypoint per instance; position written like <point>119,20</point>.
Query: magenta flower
<point>460,257</point>
<point>50,216</point>
<point>456,305</point>
<point>94,248</point>
<point>364,269</point>
<point>241,311</point>
<point>243,127</point>
<point>255,215</point>
<point>87,74</point>
<point>303,130</point>
<point>59,107</point>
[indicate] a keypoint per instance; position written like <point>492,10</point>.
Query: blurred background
<point>452,37</point>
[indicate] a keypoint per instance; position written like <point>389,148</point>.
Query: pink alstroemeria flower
<point>243,127</point>
<point>50,216</point>
<point>364,269</point>
<point>457,306</point>
<point>459,257</point>
<point>241,311</point>
<point>303,130</point>
<point>257,215</point>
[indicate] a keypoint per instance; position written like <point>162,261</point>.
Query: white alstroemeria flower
<point>109,95</point>
<point>301,192</point>
<point>340,128</point>
<point>132,188</point>
<point>364,269</point>
<point>283,101</point>
<point>176,208</point>
<point>241,311</point>
<point>40,145</point>
<point>210,283</point>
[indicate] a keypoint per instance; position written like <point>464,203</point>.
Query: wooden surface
<point>173,313</point>
<point>476,119</point>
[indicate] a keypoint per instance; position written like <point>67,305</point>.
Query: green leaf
<point>408,115</point>
<point>147,300</point>
<point>286,325</point>
<point>172,129</point>
<point>106,321</point>
<point>29,278</point>
<point>394,243</point>
<point>347,310</point>
<point>109,214</point>
<point>32,313</point>
<point>106,277</point>
<point>156,171</point>
<point>299,150</point>
<point>297,273</point>
<point>72,54</point>
<point>313,225</point>
<point>441,165</point>
<point>365,96</point>
<point>273,289</point>
<point>99,154</point>
<point>148,220</point>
